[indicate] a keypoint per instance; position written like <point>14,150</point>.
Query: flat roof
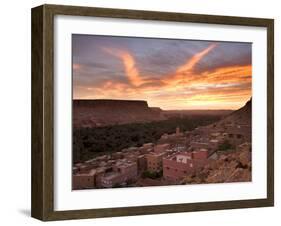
<point>111,175</point>
<point>92,172</point>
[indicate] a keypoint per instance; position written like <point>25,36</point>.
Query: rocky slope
<point>241,116</point>
<point>231,167</point>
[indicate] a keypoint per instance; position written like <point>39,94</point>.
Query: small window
<point>239,136</point>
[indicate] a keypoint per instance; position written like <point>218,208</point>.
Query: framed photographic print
<point>141,112</point>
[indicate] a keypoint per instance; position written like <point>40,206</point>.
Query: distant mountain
<point>104,112</point>
<point>96,113</point>
<point>183,113</point>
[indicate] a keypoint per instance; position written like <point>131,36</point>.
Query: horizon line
<point>138,100</point>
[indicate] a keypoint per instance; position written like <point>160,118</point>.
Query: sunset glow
<point>170,74</point>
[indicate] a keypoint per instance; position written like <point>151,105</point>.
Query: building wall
<point>123,174</point>
<point>161,148</point>
<point>184,157</point>
<point>235,138</point>
<point>239,134</point>
<point>174,171</point>
<point>213,144</point>
<point>99,176</point>
<point>199,145</point>
<point>84,168</point>
<point>83,181</point>
<point>113,181</point>
<point>154,162</point>
<point>201,154</point>
<point>142,164</point>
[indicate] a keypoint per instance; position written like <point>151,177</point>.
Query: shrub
<point>226,145</point>
<point>152,175</point>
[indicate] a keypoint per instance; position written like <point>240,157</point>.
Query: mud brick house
<point>82,168</point>
<point>99,174</point>
<point>122,172</point>
<point>161,148</point>
<point>84,180</point>
<point>213,144</point>
<point>154,161</point>
<point>117,155</point>
<point>200,154</point>
<point>238,134</point>
<point>178,135</point>
<point>75,169</point>
<point>148,145</point>
<point>198,145</point>
<point>178,165</point>
<point>142,163</point>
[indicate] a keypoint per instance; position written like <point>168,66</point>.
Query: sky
<point>172,74</point>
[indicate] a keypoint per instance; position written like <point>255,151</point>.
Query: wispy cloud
<point>183,88</point>
<point>189,65</point>
<point>129,64</point>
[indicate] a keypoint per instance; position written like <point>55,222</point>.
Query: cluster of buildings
<point>172,160</point>
<point>113,170</point>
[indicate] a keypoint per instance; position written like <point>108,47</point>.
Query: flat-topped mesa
<point>108,103</point>
<point>103,112</point>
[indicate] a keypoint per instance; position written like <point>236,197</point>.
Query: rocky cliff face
<point>95,113</point>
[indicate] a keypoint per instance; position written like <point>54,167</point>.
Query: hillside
<point>96,113</point>
<point>231,166</point>
<point>242,116</point>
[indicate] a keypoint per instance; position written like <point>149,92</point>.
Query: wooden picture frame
<point>43,108</point>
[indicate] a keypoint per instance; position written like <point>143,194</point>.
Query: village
<point>166,162</point>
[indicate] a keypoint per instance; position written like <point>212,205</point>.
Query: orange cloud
<point>129,64</point>
<point>188,66</point>
<point>76,66</point>
<point>225,75</point>
<point>221,88</point>
<point>184,70</point>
